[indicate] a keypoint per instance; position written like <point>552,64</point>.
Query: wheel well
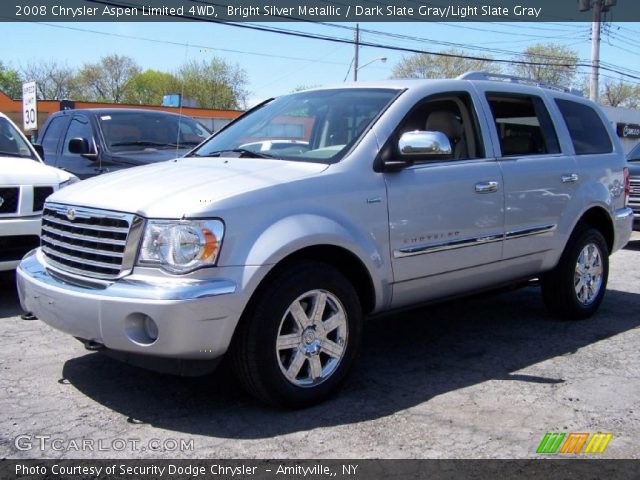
<point>598,218</point>
<point>342,260</point>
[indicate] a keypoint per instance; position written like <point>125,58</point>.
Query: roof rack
<point>521,80</point>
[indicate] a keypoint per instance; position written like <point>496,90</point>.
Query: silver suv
<point>379,196</point>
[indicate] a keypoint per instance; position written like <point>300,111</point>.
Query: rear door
<point>539,180</point>
<point>51,139</point>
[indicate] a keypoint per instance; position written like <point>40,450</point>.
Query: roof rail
<point>521,80</point>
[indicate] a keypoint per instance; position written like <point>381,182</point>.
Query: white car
<point>25,183</point>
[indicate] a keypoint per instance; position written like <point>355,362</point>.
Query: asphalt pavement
<point>484,377</point>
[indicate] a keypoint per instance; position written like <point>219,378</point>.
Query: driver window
<point>78,128</point>
<point>453,116</point>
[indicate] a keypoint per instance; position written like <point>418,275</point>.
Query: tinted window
<point>51,136</point>
<point>587,131</point>
<point>12,144</point>
<point>139,130</point>
<point>79,127</point>
<point>523,125</point>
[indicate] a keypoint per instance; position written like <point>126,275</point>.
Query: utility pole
<point>595,51</point>
<point>598,6</point>
<point>357,53</point>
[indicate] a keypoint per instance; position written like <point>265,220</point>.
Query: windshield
<point>316,126</point>
<point>127,131</point>
<point>11,142</point>
<point>634,154</point>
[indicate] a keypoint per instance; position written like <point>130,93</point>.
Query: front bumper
<point>18,227</point>
<point>195,318</point>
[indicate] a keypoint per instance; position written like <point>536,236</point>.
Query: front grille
<point>9,197</point>
<point>87,242</point>
<point>15,247</point>
<point>635,187</point>
<point>40,194</point>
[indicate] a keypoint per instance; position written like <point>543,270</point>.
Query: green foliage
<point>53,81</point>
<point>617,93</point>
<point>10,82</point>
<point>148,87</point>
<point>439,66</point>
<point>214,84</point>
<point>558,64</point>
<point>106,80</point>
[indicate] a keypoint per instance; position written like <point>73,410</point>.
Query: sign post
<point>29,106</point>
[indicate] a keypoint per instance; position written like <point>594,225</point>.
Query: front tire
<point>298,340</point>
<point>575,288</point>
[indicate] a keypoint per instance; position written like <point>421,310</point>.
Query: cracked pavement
<point>484,377</point>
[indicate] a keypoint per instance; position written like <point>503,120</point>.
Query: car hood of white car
<point>23,171</point>
<point>183,187</point>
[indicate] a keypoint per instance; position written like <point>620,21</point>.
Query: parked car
<point>25,183</point>
<point>450,187</point>
<point>633,159</point>
<point>91,141</point>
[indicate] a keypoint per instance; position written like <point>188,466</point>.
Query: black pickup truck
<point>633,161</point>
<point>88,142</point>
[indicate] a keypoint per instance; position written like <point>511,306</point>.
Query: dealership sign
<point>628,130</point>
<point>29,107</point>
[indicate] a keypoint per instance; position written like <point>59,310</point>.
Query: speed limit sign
<point>29,106</point>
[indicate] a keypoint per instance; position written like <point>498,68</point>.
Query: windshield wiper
<point>12,154</point>
<point>242,151</point>
<point>145,143</point>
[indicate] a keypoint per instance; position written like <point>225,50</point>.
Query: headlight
<point>180,246</point>
<point>72,179</point>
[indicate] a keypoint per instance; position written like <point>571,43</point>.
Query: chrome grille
<point>635,187</point>
<point>89,242</point>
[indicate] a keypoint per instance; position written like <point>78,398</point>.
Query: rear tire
<point>575,288</point>
<point>299,339</point>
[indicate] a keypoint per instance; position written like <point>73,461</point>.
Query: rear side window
<point>523,125</point>
<point>587,131</point>
<point>51,136</point>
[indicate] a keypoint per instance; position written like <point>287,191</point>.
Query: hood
<point>148,155</point>
<point>22,171</point>
<point>184,187</point>
<point>634,168</point>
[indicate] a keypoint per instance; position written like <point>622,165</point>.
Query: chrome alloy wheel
<point>312,338</point>
<point>587,278</point>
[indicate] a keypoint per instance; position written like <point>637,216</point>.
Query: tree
<point>107,80</point>
<point>214,84</point>
<point>10,82</point>
<point>620,94</point>
<point>555,64</point>
<point>441,66</point>
<point>148,87</point>
<point>53,81</point>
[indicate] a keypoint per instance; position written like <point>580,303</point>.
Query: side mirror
<point>80,146</point>
<point>39,150</point>
<point>421,143</point>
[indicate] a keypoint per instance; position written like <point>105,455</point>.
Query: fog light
<point>150,328</point>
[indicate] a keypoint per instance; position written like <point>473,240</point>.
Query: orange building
<point>212,119</point>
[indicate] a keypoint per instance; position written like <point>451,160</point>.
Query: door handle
<point>569,178</point>
<point>486,187</point>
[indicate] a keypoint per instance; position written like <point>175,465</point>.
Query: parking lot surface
<point>484,377</point>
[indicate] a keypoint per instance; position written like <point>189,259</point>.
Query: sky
<point>277,64</point>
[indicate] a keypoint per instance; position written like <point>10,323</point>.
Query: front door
<point>445,214</point>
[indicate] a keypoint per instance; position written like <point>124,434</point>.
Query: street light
<point>357,69</point>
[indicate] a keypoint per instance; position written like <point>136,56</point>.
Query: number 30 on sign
<point>29,106</point>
